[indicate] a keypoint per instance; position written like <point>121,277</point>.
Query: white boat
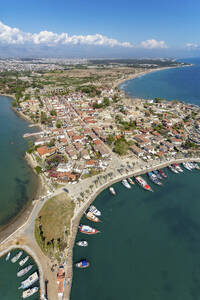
<point>186,166</point>
<point>24,271</point>
<point>94,210</point>
<point>8,256</point>
<point>87,229</point>
<point>112,190</point>
<point>16,257</point>
<point>82,243</point>
<point>29,292</point>
<point>126,184</point>
<point>178,168</point>
<point>23,261</point>
<point>29,281</point>
<point>191,165</point>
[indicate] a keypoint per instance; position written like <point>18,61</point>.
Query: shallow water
<point>17,181</point>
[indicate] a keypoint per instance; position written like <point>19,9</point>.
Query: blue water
<point>9,282</point>
<point>181,84</point>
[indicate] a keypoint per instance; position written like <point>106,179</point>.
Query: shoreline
<point>78,215</point>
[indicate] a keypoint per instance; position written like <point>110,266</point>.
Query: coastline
<point>78,215</point>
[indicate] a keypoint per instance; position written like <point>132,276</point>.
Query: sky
<point>105,28</point>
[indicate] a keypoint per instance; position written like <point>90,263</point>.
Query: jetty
<point>26,135</point>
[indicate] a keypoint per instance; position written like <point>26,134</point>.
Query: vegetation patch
<point>52,226</point>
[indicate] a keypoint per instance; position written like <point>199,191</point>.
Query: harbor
<point>160,246</point>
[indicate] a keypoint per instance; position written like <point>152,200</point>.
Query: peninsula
<point>91,136</point>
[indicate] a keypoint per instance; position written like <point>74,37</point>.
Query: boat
<point>177,167</point>
<point>23,261</point>
<point>162,173</point>
<point>29,281</point>
<point>82,264</point>
<point>186,166</point>
<point>130,180</point>
<point>112,190</point>
<point>196,166</point>
<point>29,292</point>
<point>16,257</point>
<point>24,271</point>
<point>191,165</point>
<point>8,256</point>
<point>82,243</point>
<point>87,229</point>
<point>157,174</point>
<point>173,169</point>
<point>126,184</point>
<point>90,216</point>
<point>154,178</point>
<point>143,183</point>
<point>61,281</point>
<point>95,211</point>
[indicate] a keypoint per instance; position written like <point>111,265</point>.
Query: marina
<point>155,236</point>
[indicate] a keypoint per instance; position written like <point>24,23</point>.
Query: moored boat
<point>29,281</point>
<point>173,169</point>
<point>154,178</point>
<point>90,216</point>
<point>186,166</point>
<point>157,174</point>
<point>23,261</point>
<point>177,167</point>
<point>143,183</point>
<point>112,190</point>
<point>16,257</point>
<point>82,243</point>
<point>126,184</point>
<point>8,256</point>
<point>29,292</point>
<point>130,180</point>
<point>88,230</point>
<point>94,210</point>
<point>162,173</point>
<point>82,264</point>
<point>24,271</point>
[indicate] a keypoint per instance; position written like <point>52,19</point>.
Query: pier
<point>26,135</point>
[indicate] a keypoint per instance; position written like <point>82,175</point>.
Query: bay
<point>177,83</point>
<point>17,180</point>
<point>149,245</point>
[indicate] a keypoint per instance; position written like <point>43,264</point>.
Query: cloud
<point>14,36</point>
<point>192,46</point>
<point>153,44</point>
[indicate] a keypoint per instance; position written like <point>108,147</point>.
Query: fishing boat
<point>143,183</point>
<point>186,166</point>
<point>130,180</point>
<point>23,261</point>
<point>16,257</point>
<point>173,169</point>
<point>162,173</point>
<point>29,292</point>
<point>87,229</point>
<point>24,271</point>
<point>82,264</point>
<point>90,216</point>
<point>157,174</point>
<point>94,210</point>
<point>154,178</point>
<point>126,184</point>
<point>178,168</point>
<point>112,190</point>
<point>8,256</point>
<point>82,243</point>
<point>29,281</point>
